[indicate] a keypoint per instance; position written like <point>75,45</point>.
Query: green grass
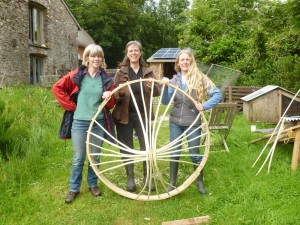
<point>34,180</point>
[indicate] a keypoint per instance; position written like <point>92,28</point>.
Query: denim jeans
<point>79,135</point>
<point>175,131</point>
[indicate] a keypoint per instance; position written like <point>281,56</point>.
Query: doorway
<point>169,70</point>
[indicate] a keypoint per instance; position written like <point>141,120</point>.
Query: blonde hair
<point>93,50</point>
<point>195,79</point>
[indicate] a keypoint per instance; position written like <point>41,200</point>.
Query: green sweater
<point>89,98</point>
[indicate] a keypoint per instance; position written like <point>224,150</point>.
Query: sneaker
<point>71,196</point>
<point>95,191</point>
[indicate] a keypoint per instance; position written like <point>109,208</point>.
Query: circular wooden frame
<point>152,155</point>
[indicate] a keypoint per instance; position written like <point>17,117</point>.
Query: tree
<point>113,23</point>
<point>260,38</point>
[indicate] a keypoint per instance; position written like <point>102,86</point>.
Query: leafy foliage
<point>113,23</point>
<point>260,38</point>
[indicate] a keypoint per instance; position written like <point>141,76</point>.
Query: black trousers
<point>125,131</point>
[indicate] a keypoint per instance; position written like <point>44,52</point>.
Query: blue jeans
<point>79,134</point>
<point>175,131</point>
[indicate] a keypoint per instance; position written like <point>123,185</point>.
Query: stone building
<point>38,41</point>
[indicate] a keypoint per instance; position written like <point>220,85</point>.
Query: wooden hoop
<point>152,155</point>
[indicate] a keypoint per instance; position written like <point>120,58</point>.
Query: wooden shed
<point>269,103</point>
<point>163,62</point>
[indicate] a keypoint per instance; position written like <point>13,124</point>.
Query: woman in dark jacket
<point>82,91</point>
<point>125,114</point>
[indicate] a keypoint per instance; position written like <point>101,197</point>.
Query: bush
<point>6,145</point>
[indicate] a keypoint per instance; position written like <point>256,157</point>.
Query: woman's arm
<point>168,92</point>
<point>63,89</point>
<point>111,103</point>
<point>215,96</point>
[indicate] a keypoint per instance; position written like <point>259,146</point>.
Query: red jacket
<point>66,89</point>
<point>66,92</point>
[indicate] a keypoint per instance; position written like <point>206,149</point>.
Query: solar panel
<point>166,53</point>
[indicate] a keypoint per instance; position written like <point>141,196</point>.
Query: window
<point>36,69</point>
<point>36,25</point>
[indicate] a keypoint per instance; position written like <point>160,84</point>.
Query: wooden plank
<point>297,127</point>
<point>230,93</point>
<point>292,134</point>
<point>241,90</point>
<point>296,149</point>
<point>239,93</point>
<point>235,93</point>
<point>190,221</point>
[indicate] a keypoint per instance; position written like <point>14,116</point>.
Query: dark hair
<point>126,61</point>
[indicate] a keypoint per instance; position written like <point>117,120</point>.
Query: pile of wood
<point>287,135</point>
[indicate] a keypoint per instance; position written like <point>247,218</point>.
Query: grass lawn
<point>35,168</point>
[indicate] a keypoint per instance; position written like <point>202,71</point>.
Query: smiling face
<point>133,53</point>
<point>93,56</point>
<point>95,61</point>
<point>184,62</point>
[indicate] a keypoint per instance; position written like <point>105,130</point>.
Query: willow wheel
<point>111,169</point>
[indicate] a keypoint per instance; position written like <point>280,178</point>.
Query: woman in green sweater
<point>82,91</point>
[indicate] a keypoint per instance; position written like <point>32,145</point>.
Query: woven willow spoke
<point>156,156</point>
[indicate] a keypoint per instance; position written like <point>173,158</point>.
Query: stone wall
<point>59,48</point>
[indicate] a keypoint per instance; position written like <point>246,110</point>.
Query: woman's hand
<point>106,95</point>
<point>149,83</point>
<point>199,106</point>
<point>166,80</point>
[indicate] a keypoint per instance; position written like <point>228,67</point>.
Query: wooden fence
<point>235,93</point>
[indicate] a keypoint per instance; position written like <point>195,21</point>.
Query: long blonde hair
<point>195,79</point>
